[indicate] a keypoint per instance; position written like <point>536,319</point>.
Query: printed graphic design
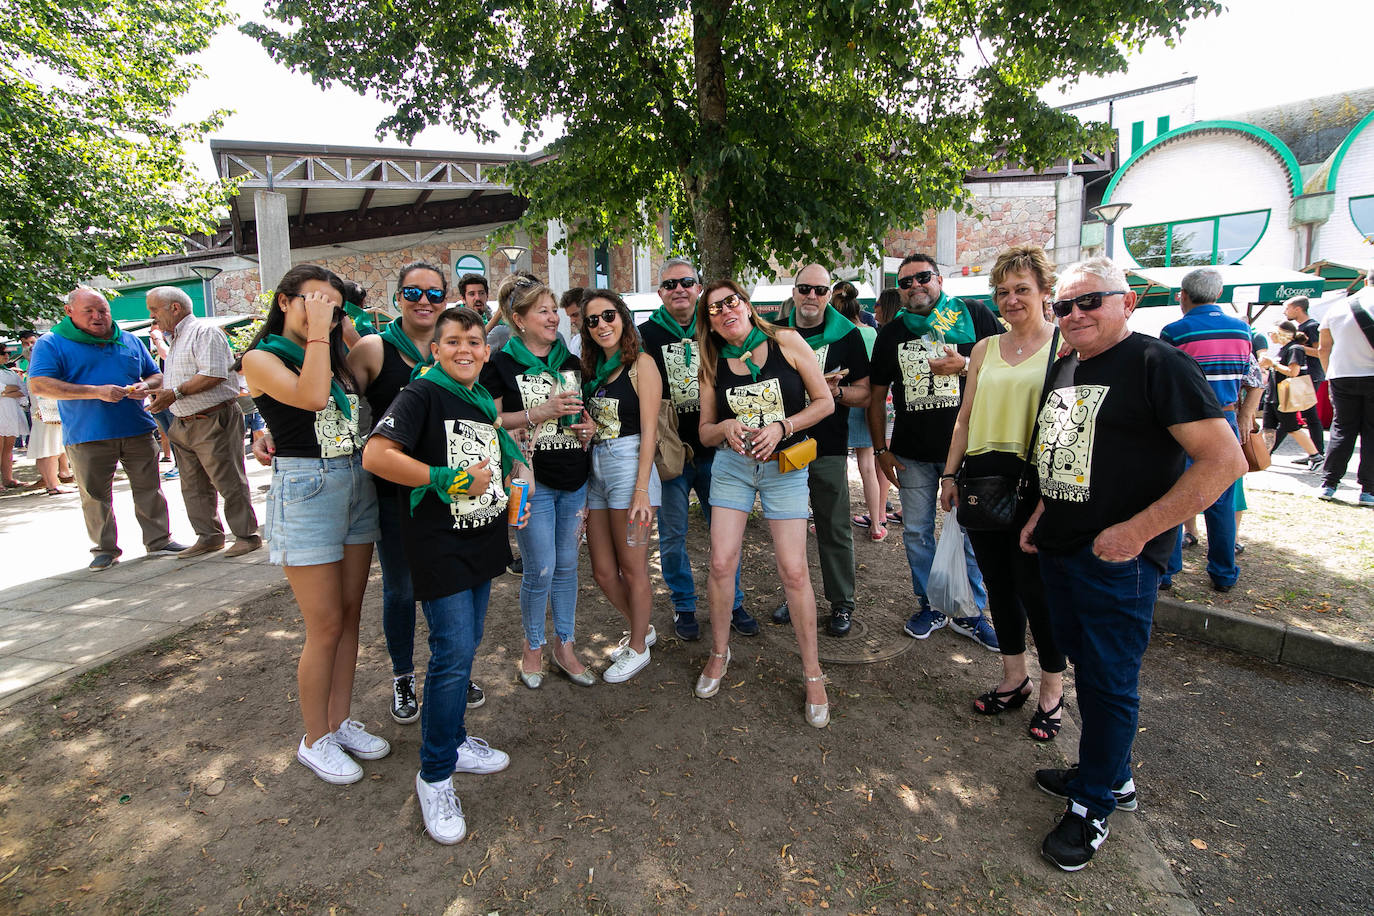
<point>925,391</point>
<point>756,404</point>
<point>337,434</point>
<point>1064,453</point>
<point>535,390</point>
<point>821,355</point>
<point>468,443</point>
<point>683,388</point>
<point>606,414</point>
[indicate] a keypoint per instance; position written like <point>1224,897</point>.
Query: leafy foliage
<point>94,174</point>
<point>766,127</point>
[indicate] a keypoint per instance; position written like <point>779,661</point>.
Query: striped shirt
<point>198,348</point>
<point>1219,343</point>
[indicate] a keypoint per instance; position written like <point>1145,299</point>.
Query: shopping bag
<point>948,587</point>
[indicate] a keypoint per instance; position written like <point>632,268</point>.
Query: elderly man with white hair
<point>1122,417</point>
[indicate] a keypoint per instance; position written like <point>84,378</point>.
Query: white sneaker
<point>351,737</point>
<point>627,664</point>
<point>329,761</point>
<point>476,756</point>
<point>649,638</point>
<point>441,810</point>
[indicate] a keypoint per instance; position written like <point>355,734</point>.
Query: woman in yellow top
<point>1005,377</point>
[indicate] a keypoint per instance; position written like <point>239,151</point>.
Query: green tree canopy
<point>94,176</point>
<point>764,126</point>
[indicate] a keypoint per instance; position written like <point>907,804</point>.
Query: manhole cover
<point>874,637</point>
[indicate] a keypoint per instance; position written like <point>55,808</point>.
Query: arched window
<point>1223,239</point>
<point>469,264</point>
<point>1362,215</point>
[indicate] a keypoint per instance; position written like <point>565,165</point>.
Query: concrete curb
<point>1333,656</point>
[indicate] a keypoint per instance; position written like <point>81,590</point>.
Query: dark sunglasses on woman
<point>414,294</point>
<point>607,316</point>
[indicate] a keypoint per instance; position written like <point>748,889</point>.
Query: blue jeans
<point>672,530</point>
<point>919,486</point>
<point>1101,614</point>
<point>549,550</point>
<point>455,631</point>
<point>1220,519</point>
<point>398,600</point>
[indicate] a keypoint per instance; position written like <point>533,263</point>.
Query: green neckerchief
<point>396,336</point>
<point>65,328</point>
<point>362,319</point>
<point>549,365</point>
<point>480,398</point>
<point>836,327</point>
<point>293,354</point>
<point>605,368</point>
<point>665,320</point>
<point>755,338</point>
<point>949,317</point>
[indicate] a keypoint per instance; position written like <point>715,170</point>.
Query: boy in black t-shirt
<point>440,442</point>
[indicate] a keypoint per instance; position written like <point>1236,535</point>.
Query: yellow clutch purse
<point>795,457</point>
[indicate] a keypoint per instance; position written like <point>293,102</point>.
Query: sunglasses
<point>414,294</point>
<point>923,277</point>
<point>1088,302</point>
<point>591,321</point>
<point>808,289</point>
<point>731,301</point>
<point>684,282</point>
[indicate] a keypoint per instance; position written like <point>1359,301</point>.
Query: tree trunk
<point>712,221</point>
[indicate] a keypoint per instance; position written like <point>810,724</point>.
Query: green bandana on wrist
<point>293,354</point>
<point>949,317</point>
<point>744,350</point>
<point>396,336</point>
<point>480,398</point>
<point>664,319</point>
<point>444,482</point>
<point>533,365</point>
<point>66,328</point>
<point>836,328</point>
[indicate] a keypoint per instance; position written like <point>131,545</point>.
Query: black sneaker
<point>742,623</point>
<point>1072,843</point>
<point>475,695</point>
<point>404,708</point>
<point>782,614</point>
<point>516,567</point>
<point>686,627</point>
<point>1056,783</point>
<point>839,622</point>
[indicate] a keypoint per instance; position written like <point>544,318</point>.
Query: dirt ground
<point>166,782</point>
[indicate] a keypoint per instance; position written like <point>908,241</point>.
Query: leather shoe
<point>839,622</point>
<point>244,545</point>
<point>782,614</point>
<point>200,548</point>
<point>743,623</point>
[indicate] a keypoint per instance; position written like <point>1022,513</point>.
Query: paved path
<point>59,618</point>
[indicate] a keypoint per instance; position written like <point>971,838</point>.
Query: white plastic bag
<point>947,586</point>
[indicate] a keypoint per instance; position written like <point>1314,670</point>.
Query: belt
<point>205,414</point>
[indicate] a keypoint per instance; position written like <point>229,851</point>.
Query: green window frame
<point>1199,241</point>
<point>469,264</point>
<point>1362,215</point>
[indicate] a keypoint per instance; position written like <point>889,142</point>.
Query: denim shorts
<point>615,467</point>
<point>736,479</point>
<point>859,436</point>
<point>316,506</point>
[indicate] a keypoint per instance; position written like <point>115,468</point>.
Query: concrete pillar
<point>1068,219</point>
<point>274,237</point>
<point>947,237</point>
<point>558,260</point>
<point>525,261</point>
<point>644,270</point>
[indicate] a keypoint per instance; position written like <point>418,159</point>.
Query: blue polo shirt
<point>95,364</point>
<point>1219,342</point>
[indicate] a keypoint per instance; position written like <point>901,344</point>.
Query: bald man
<point>100,376</point>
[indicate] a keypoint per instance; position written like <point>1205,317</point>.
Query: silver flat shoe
<point>817,714</point>
<point>585,679</point>
<point>532,681</point>
<point>708,687</point>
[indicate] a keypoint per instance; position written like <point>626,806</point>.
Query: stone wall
<point>1004,214</point>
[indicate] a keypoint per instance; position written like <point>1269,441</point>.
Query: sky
<point>1258,53</point>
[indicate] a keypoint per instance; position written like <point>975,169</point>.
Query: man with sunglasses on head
<point>843,358</point>
<point>669,336</point>
<point>922,356</point>
<point>1121,418</point>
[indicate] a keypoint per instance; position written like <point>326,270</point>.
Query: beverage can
<point>519,499</point>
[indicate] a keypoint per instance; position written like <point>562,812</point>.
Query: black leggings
<point>1016,595</point>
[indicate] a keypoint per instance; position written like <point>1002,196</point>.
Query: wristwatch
<point>176,393</point>
<point>879,451</point>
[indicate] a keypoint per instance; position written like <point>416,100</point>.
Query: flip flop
<point>59,491</point>
<point>861,521</point>
<point>878,532</point>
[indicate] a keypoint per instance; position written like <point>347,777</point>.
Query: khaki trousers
<point>209,450</point>
<point>94,464</point>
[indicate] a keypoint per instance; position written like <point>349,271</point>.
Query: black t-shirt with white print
<point>450,547</point>
<point>1104,452</point>
<point>680,378</point>
<point>849,352</point>
<point>560,461</point>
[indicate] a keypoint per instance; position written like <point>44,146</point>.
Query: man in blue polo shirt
<point>1221,345</point>
<point>99,376</point>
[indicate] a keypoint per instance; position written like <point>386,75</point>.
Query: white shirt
<point>1351,354</point>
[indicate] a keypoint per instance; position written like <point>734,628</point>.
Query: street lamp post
<point>512,253</point>
<point>207,274</point>
<point>1109,214</point>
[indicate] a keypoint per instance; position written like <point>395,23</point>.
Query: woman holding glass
<point>992,435</point>
<point>535,383</point>
<point>756,380</point>
<point>623,389</point>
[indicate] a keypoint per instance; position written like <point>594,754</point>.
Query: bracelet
<point>880,451</point>
<point>641,489</point>
<point>529,424</point>
<point>949,476</point>
<point>317,340</point>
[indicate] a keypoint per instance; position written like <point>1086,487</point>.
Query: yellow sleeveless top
<point>1005,402</point>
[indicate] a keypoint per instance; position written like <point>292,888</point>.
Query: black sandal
<point>1189,540</point>
<point>994,701</point>
<point>1048,723</point>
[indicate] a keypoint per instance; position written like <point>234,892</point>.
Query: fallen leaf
<point>1199,844</point>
